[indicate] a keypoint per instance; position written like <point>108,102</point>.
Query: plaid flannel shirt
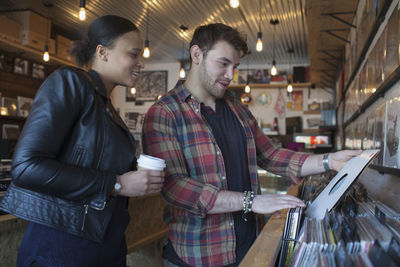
<point>175,130</point>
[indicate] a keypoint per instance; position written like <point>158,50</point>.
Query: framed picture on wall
<point>38,71</point>
<point>392,157</point>
<point>21,66</point>
<point>149,85</point>
<point>2,61</point>
<point>380,133</point>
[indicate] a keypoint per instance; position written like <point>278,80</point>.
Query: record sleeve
<point>331,194</point>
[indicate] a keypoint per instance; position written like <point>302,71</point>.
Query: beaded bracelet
<point>248,197</point>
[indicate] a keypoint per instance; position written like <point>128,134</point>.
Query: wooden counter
<point>265,250</point>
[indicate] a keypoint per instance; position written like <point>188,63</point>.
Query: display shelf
<point>380,92</point>
<point>7,217</point>
<point>268,86</point>
<point>31,53</point>
<point>367,45</point>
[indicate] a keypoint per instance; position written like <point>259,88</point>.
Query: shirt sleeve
<point>160,139</point>
<point>279,161</point>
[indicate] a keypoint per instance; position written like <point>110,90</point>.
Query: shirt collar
<point>183,93</point>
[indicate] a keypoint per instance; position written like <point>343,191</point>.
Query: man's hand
<point>270,203</point>
<point>338,159</point>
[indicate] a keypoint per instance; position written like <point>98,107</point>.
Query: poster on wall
<point>392,157</point>
<point>380,133</point>
<point>297,97</point>
<point>149,85</point>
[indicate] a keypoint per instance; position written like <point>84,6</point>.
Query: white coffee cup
<point>149,162</point>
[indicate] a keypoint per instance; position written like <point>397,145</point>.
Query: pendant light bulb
<point>146,51</point>
<point>290,87</point>
<point>182,73</point>
<point>247,89</point>
<point>259,45</point>
<point>133,90</point>
<point>46,55</point>
<point>82,10</point>
<point>234,3</point>
<point>274,70</point>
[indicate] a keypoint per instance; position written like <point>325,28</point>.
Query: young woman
<point>74,165</point>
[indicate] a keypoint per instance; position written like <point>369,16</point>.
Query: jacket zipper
<point>86,206</point>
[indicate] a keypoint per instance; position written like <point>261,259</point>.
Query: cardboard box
<point>61,40</point>
<point>10,30</point>
<point>63,52</point>
<point>31,21</point>
<point>52,46</point>
<point>33,39</point>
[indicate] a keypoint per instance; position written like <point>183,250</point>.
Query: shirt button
<point>223,177</point>
<point>230,224</point>
<point>197,110</point>
<point>217,152</point>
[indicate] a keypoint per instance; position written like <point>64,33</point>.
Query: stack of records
<point>342,226</point>
<point>290,234</point>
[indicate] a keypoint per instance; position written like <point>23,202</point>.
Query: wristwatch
<point>325,162</point>
<point>117,189</point>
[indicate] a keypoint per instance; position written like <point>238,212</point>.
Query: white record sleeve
<point>328,198</point>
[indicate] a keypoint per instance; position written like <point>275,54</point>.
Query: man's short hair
<point>207,36</point>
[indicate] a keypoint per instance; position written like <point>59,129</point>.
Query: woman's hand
<point>141,182</point>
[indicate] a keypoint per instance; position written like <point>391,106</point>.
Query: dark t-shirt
<point>231,139</point>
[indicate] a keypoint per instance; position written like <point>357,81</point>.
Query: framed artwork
<point>254,76</point>
<point>134,121</point>
<point>24,106</point>
<point>2,62</point>
<point>21,66</point>
<point>10,131</point>
<point>392,157</point>
<point>38,71</point>
<point>149,85</point>
<point>380,126</point>
<point>10,103</point>
<point>297,96</point>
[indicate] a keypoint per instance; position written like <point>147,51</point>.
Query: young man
<point>212,146</point>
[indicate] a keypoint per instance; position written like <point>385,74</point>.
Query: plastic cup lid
<point>149,162</point>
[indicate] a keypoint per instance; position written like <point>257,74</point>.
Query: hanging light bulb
<point>290,87</point>
<point>82,10</point>
<point>133,90</point>
<point>46,55</point>
<point>182,73</point>
<point>146,51</point>
<point>247,89</point>
<point>234,3</point>
<point>274,70</point>
<point>259,45</point>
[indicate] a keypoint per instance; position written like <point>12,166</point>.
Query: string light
<point>234,3</point>
<point>290,87</point>
<point>146,51</point>
<point>46,55</point>
<point>259,44</point>
<point>82,10</point>
<point>182,73</point>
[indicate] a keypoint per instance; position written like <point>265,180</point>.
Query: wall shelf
<point>31,53</point>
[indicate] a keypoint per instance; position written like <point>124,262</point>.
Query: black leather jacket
<point>68,155</point>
